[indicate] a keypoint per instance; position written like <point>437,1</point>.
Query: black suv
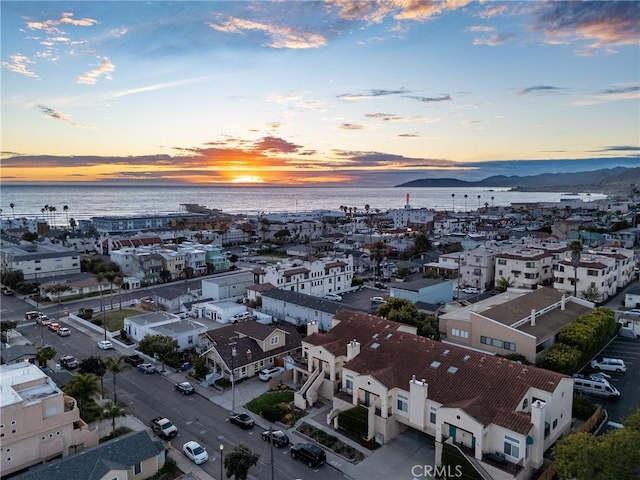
<point>68,361</point>
<point>185,388</point>
<point>311,454</point>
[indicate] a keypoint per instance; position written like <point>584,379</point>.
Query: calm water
<point>89,201</point>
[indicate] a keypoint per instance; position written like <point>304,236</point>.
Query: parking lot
<point>627,383</point>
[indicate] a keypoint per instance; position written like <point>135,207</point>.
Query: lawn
<point>115,318</point>
<point>269,399</point>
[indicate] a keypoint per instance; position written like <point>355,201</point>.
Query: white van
<point>596,388</point>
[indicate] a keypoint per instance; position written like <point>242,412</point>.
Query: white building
<point>298,308</point>
<point>40,261</point>
<point>162,323</point>
<point>227,286</point>
<point>412,217</point>
<point>478,267</point>
<point>219,311</point>
<point>597,272</point>
<point>525,267</point>
<point>313,276</point>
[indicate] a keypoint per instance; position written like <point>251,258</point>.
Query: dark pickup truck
<point>134,360</point>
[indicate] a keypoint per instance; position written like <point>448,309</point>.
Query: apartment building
<point>516,321</point>
<point>525,267</point>
<point>478,267</point>
<point>625,262</point>
<point>418,218</point>
<point>40,261</point>
<point>595,273</point>
<point>227,286</point>
<point>38,421</point>
<point>482,403</point>
<point>313,276</point>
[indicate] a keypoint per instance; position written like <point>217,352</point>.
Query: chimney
<point>249,354</point>
<point>533,317</point>
<point>353,349</point>
<point>312,327</point>
<point>563,301</point>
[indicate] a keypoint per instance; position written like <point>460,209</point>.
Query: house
<point>39,421</point>
<point>220,311</point>
<point>17,353</point>
<point>525,267</point>
<point>184,331</point>
<point>299,309</point>
<point>172,296</point>
<point>134,456</point>
<point>227,286</point>
<point>632,297</point>
<point>482,403</point>
<point>427,290</point>
<point>516,321</point>
<point>39,261</point>
<point>80,284</point>
<point>248,347</point>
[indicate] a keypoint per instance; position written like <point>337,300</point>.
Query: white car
<point>269,373</point>
<point>195,452</point>
<point>609,365</point>
<point>240,317</point>
<point>105,345</point>
<point>471,290</point>
<point>333,296</point>
<point>633,311</point>
<point>377,300</point>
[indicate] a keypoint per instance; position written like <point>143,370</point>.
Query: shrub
<point>583,407</point>
<point>354,421</point>
<point>271,413</point>
<point>517,357</point>
<point>561,358</point>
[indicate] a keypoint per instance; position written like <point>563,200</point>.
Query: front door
<point>367,398</point>
<point>452,432</point>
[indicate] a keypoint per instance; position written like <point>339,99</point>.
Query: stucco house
<point>185,332</point>
<point>484,404</point>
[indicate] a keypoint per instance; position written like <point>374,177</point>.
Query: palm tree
<point>453,203</point>
<point>576,251</point>
<point>53,215</point>
<point>73,224</point>
<point>111,411</point>
<point>465,202</point>
<point>114,279</point>
<point>66,211</point>
<point>115,367</point>
<point>479,197</point>
<point>83,387</point>
<point>492,202</point>
<point>12,212</point>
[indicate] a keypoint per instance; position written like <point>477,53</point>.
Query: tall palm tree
<point>115,367</point>
<point>479,197</point>
<point>492,202</point>
<point>83,387</point>
<point>576,251</point>
<point>111,411</point>
<point>66,211</point>
<point>53,215</point>
<point>453,202</point>
<point>73,224</point>
<point>12,205</point>
<point>114,279</point>
<point>465,202</point>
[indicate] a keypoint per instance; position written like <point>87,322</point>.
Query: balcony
<point>499,461</point>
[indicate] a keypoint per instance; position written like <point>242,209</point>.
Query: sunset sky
<point>374,92</point>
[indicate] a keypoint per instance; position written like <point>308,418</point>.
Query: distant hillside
<point>612,179</point>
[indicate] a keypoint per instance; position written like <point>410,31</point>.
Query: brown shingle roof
<point>487,387</point>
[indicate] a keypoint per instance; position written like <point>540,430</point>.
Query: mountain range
<point>621,179</point>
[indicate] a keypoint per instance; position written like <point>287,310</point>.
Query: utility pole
<point>233,383</point>
<point>271,452</point>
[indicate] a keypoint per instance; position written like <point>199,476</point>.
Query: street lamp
<point>221,462</point>
<point>233,383</point>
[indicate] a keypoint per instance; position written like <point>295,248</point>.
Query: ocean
<point>86,201</point>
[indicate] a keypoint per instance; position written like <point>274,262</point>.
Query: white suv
<point>609,365</point>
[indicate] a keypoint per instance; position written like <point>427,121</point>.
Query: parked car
<point>279,438</point>
<point>105,345</point>
<point>333,296</point>
<point>633,311</point>
<point>242,420</point>
<point>185,388</point>
<point>609,365</point>
<point>471,290</point>
<point>7,291</point>
<point>45,321</point>
<point>64,332</point>
<point>54,327</point>
<point>69,362</point>
<point>309,453</point>
<point>378,300</point>
<point>146,368</point>
<point>269,373</point>
<point>240,317</point>
<point>195,452</point>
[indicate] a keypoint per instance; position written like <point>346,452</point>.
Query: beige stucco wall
<point>482,326</point>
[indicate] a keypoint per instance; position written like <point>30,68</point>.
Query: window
<point>432,415</point>
<point>530,264</point>
<point>137,468</point>
<point>502,261</point>
<point>459,333</point>
<point>485,340</point>
<point>348,383</point>
<point>511,446</point>
<point>497,343</point>
<point>555,423</point>
<point>274,340</point>
<point>403,404</point>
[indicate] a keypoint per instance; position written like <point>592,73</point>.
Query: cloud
<point>620,148</point>
<point>351,126</point>
<point>442,98</point>
<point>470,123</point>
<point>371,94</point>
<point>57,115</point>
<point>376,11</point>
<point>540,89</point>
<point>274,144</point>
<point>157,86</point>
<point>625,93</point>
<point>481,28</point>
<point>604,24</point>
<point>494,40</point>
<point>104,69</point>
<point>494,10</point>
<point>18,64</point>
<point>409,135</point>
<point>51,26</point>
<point>281,36</point>
<point>386,117</point>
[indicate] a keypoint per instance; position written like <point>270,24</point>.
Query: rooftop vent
<point>435,364</point>
<point>388,336</point>
<point>446,352</point>
<point>387,326</point>
<point>375,335</point>
<point>452,369</point>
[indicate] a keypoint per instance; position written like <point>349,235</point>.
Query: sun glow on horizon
<point>247,179</point>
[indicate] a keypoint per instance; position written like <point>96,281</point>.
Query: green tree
<point>399,310</point>
<point>57,289</point>
<point>421,243</point>
<point>44,355</point>
<point>165,275</point>
<point>503,283</point>
<point>238,462</point>
<point>113,277</point>
<point>5,327</point>
<point>82,387</point>
<point>115,367</point>
<point>377,255</point>
<point>162,347</point>
<point>11,278</point>
<point>96,366</point>
<point>200,368</point>
<point>29,236</point>
<point>591,294</point>
<point>111,411</point>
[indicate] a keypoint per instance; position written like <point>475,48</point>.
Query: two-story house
<point>525,268</point>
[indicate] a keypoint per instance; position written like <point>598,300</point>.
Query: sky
<point>335,92</point>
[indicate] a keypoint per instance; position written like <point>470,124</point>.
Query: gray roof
<point>304,300</point>
<point>11,353</point>
<point>231,278</point>
<point>152,318</point>
<point>170,292</point>
<point>416,285</point>
<point>179,326</point>
<point>121,453</point>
